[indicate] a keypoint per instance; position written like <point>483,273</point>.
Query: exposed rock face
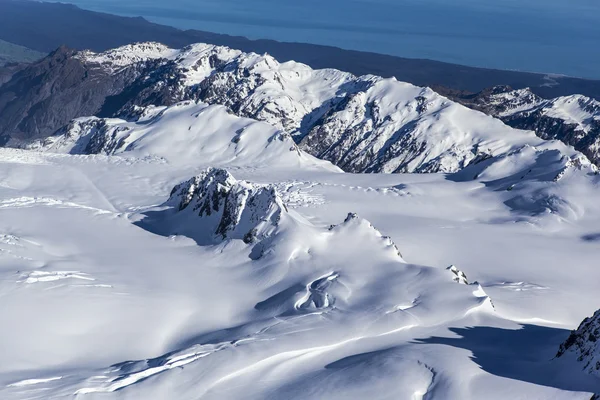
<point>457,275</point>
<point>229,209</point>
<point>45,96</point>
<point>574,120</point>
<point>388,127</point>
<point>584,343</point>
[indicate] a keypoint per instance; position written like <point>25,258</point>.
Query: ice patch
<point>49,276</point>
<point>28,382</point>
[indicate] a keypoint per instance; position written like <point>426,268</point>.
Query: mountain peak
<point>127,55</point>
<point>228,208</point>
<point>62,51</point>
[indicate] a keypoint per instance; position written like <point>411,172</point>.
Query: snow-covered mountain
<point>574,120</point>
<point>361,124</point>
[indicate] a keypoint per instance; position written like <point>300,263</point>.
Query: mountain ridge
<point>361,124</point>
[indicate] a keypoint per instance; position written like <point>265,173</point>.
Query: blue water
<point>550,36</point>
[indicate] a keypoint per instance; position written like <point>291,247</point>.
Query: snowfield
<point>189,253</point>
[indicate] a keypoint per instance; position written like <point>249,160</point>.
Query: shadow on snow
<point>526,354</point>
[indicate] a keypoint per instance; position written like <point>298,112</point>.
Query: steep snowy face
<point>69,138</point>
<point>396,127</point>
<point>259,87</point>
<point>227,208</point>
<point>574,120</point>
<point>361,124</point>
<point>584,344</point>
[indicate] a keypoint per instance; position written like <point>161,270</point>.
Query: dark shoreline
<point>65,24</point>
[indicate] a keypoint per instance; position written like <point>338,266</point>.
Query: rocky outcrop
<point>7,71</point>
<point>584,344</point>
<point>354,223</point>
<point>393,127</point>
<point>227,208</point>
<point>457,275</point>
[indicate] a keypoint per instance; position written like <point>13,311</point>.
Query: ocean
<point>550,36</point>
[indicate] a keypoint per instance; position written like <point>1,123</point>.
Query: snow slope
<point>133,291</point>
<point>184,252</point>
<point>185,133</point>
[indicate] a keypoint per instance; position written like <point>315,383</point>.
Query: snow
<point>361,124</point>
<point>192,253</point>
<point>322,310</point>
<point>186,133</point>
<point>116,59</point>
<point>300,88</point>
<point>28,382</point>
<point>47,276</point>
<point>577,110</point>
<point>574,110</point>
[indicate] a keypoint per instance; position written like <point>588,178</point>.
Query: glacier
<point>201,247</point>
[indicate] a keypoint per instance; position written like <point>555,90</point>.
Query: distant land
<point>59,24</point>
<point>12,53</point>
<point>543,36</point>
